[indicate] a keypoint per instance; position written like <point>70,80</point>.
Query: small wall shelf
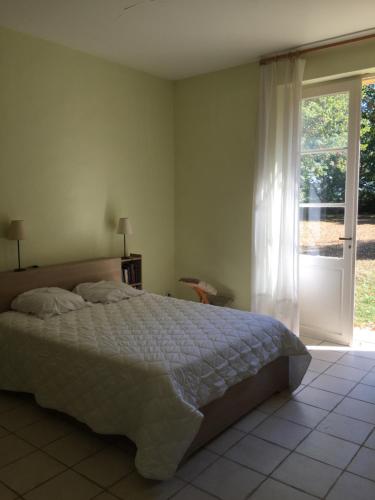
<point>132,270</point>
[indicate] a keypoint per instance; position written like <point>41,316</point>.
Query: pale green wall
<point>215,155</point>
<point>340,61</point>
<point>82,142</point>
<point>215,145</point>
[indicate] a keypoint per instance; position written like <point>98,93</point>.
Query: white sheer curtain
<point>275,211</point>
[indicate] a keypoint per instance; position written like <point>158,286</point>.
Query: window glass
<point>320,230</point>
<point>323,177</point>
<point>325,121</point>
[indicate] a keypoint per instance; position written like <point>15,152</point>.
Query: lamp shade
<point>17,230</point>
<point>124,226</point>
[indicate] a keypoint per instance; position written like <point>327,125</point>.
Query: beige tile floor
<point>317,443</point>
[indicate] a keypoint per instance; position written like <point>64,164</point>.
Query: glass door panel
<point>323,176</point>
<point>320,231</point>
<point>325,122</point>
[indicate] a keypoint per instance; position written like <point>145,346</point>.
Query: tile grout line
<point>328,413</point>
<point>346,467</point>
<point>357,382</point>
<point>194,486</point>
<point>314,428</point>
<point>269,475</point>
<point>355,454</point>
<point>332,411</point>
<point>266,476</point>
<point>67,467</point>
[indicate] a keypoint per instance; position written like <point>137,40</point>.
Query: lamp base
<point>19,269</point>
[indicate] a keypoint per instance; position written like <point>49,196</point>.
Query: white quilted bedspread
<point>142,367</point>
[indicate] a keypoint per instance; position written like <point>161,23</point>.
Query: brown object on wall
<point>65,276</point>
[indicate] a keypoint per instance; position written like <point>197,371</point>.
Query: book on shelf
<point>132,270</point>
<point>132,273</point>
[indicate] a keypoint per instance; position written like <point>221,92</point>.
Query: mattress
<point>142,367</point>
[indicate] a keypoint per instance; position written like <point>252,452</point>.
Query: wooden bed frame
<point>62,275</point>
<point>239,400</point>
<point>219,414</point>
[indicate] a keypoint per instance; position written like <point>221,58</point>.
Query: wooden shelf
<point>132,270</point>
<point>132,257</point>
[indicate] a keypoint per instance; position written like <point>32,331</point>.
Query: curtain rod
<point>297,53</point>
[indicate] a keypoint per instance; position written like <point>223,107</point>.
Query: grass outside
<point>365,294</point>
<point>321,238</point>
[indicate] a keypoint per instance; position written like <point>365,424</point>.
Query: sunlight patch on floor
<point>363,340</point>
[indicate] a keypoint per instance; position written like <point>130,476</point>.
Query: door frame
<point>353,85</point>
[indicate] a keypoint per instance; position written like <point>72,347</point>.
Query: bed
<point>167,373</point>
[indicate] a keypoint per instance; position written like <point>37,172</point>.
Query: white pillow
<point>47,302</point>
<point>106,292</point>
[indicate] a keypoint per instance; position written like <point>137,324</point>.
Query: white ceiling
<point>179,38</point>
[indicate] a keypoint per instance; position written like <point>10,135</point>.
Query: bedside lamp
<point>124,227</point>
<point>17,232</point>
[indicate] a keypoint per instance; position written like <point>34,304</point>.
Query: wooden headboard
<point>62,275</point>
